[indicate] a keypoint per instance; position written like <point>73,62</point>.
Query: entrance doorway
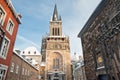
<point>56,79</point>
<point>102,77</point>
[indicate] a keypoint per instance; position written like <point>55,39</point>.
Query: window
<point>4,48</point>
<point>56,63</point>
<point>35,52</point>
<point>26,72</point>
<point>12,67</point>
<point>2,15</point>
<point>23,71</point>
<point>3,70</point>
<point>10,26</point>
<point>58,31</point>
<point>56,75</point>
<point>1,37</point>
<point>53,32</point>
<point>29,52</point>
<point>2,73</point>
<point>17,69</point>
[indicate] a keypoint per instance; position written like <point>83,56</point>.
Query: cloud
<point>26,41</point>
<point>36,15</point>
<point>74,22</point>
<point>32,9</point>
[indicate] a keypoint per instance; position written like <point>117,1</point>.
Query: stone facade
<point>56,51</point>
<point>101,42</point>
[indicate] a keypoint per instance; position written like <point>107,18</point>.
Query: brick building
<point>9,22</point>
<point>21,69</point>
<point>32,54</point>
<point>101,42</point>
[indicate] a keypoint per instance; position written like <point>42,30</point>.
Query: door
<point>102,77</point>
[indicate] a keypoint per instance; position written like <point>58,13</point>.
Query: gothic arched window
<point>53,32</point>
<point>58,32</point>
<point>56,63</point>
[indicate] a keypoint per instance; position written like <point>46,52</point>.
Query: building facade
<point>101,42</point>
<point>56,51</point>
<point>9,22</point>
<point>33,55</point>
<point>79,72</point>
<point>75,58</point>
<point>78,68</point>
<point>21,69</point>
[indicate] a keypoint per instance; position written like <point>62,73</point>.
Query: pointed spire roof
<point>55,14</point>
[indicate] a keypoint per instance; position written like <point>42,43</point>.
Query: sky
<point>36,15</point>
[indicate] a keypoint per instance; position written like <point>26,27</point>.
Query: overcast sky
<point>36,15</point>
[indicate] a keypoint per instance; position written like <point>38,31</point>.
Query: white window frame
<point>12,67</point>
<point>10,31</point>
<point>28,73</point>
<point>3,67</point>
<point>2,48</point>
<point>23,71</point>
<point>3,19</point>
<point>17,69</point>
<point>1,37</point>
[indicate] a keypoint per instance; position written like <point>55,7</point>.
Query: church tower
<point>55,24</point>
<point>55,51</point>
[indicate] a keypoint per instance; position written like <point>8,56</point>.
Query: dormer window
<point>35,52</point>
<point>29,52</point>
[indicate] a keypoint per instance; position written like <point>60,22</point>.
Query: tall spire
<point>55,29</point>
<point>55,14</point>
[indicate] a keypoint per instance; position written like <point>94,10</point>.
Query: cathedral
<point>55,51</point>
